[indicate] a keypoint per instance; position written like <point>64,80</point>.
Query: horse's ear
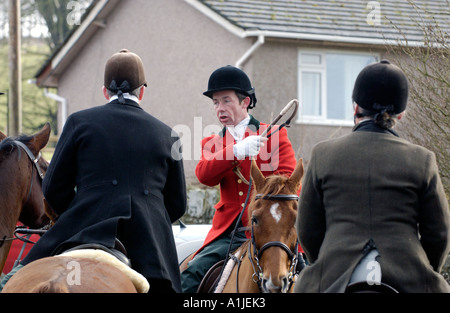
<point>297,175</point>
<point>41,138</point>
<point>2,136</point>
<point>257,176</point>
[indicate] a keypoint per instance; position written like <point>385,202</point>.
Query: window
<point>326,80</point>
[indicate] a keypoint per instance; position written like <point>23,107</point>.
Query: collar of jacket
<point>370,126</point>
<point>127,102</point>
<point>253,124</point>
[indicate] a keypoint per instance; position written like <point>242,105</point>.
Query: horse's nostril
<point>285,286</point>
<point>264,285</point>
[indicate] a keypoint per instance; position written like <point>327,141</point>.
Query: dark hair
<point>382,119</point>
<point>241,97</point>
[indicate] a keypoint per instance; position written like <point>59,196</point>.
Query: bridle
<point>34,160</point>
<point>257,253</point>
<point>31,156</point>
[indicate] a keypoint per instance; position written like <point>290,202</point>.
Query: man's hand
<point>249,147</point>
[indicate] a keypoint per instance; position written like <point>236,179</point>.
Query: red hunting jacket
<point>217,164</point>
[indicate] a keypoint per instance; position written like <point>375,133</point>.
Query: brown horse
<point>21,172</point>
<point>267,262</point>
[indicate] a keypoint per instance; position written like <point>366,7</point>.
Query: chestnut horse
<point>266,262</point>
<point>21,173</point>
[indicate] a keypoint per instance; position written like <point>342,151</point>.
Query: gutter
<point>258,43</point>
<point>63,102</point>
<point>331,38</point>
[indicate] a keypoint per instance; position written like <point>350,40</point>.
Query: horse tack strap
<point>278,244</point>
<point>3,240</point>
<point>26,232</point>
<point>257,253</point>
<point>281,197</point>
<point>30,154</point>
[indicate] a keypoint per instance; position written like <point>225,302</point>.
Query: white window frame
<point>322,69</point>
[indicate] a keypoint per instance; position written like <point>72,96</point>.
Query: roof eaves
<point>253,31</point>
<point>247,28</point>
<point>61,52</point>
<point>217,17</point>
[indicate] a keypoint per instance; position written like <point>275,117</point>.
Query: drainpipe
<point>63,105</point>
<point>259,42</point>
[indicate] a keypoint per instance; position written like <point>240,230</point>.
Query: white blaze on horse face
<point>276,213</point>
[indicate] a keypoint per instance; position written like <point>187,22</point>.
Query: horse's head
<point>22,185</point>
<point>273,212</point>
<point>33,213</point>
<point>21,195</point>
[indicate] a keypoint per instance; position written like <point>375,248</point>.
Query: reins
<point>26,232</point>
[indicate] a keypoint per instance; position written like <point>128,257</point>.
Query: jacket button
<point>239,181</point>
<point>115,182</point>
<point>146,192</point>
<point>241,193</point>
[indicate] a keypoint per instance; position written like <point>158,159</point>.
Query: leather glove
<point>249,147</point>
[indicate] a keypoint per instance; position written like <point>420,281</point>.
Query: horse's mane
<point>8,143</point>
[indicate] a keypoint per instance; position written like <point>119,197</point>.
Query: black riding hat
<point>231,78</point>
<point>381,87</point>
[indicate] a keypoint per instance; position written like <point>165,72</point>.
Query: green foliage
<point>37,109</point>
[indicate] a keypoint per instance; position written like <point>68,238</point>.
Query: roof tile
<point>332,17</point>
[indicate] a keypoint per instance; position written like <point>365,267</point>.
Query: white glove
<point>249,147</point>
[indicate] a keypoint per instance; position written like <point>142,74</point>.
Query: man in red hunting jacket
<point>225,153</point>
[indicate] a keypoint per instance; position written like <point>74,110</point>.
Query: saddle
<point>119,251</point>
<point>210,280</point>
<point>111,256</point>
<point>363,287</point>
